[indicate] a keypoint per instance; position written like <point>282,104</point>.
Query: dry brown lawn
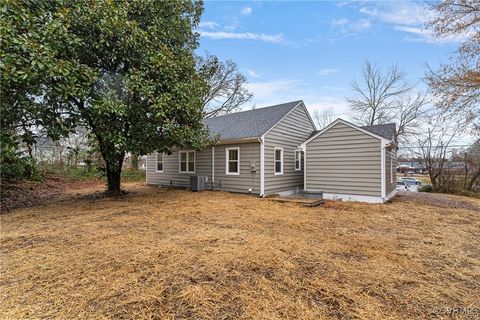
<point>163,254</point>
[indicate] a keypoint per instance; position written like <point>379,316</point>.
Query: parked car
<point>402,186</point>
<point>411,181</point>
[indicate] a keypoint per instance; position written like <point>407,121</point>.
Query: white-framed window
<point>159,161</point>
<point>298,160</point>
<point>186,161</point>
<point>232,164</point>
<point>278,161</point>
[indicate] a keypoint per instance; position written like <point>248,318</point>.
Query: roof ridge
<point>261,108</point>
<point>379,124</point>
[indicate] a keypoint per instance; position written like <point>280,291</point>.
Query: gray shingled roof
<point>386,130</point>
<point>248,124</point>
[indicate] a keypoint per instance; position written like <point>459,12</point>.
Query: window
<point>159,162</point>
<point>278,161</point>
<point>187,161</point>
<point>298,160</point>
<point>232,160</point>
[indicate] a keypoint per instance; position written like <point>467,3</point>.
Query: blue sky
<point>313,50</point>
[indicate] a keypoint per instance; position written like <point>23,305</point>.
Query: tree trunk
<point>114,171</point>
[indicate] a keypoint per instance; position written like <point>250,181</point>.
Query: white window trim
<point>227,160</point>
<point>180,161</point>
<point>275,161</point>
<point>156,161</point>
<point>299,153</point>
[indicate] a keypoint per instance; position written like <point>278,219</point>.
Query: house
<point>274,150</point>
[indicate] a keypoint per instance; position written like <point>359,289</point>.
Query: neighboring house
<point>262,152</point>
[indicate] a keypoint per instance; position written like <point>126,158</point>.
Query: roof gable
<point>339,120</point>
<point>249,124</point>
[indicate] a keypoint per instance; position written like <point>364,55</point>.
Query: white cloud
<point>209,25</point>
<point>351,27</point>
<point>326,72</point>
<point>425,35</point>
<point>246,10</point>
<point>339,22</point>
<point>398,13</point>
<point>274,91</point>
<point>253,73</point>
<point>274,38</point>
<point>405,16</point>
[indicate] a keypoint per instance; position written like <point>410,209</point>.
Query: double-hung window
<point>298,160</point>
<point>278,161</point>
<point>232,161</point>
<point>187,161</point>
<point>159,162</point>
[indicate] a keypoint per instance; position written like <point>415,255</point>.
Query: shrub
<point>426,188</point>
<point>16,167</point>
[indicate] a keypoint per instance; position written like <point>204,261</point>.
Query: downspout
<point>382,170</point>
<point>213,164</point>
<point>304,167</point>
<point>262,166</point>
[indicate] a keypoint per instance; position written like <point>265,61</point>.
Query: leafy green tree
<point>125,70</point>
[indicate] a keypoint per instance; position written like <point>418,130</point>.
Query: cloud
<point>253,73</point>
<point>417,34</point>
<point>246,10</point>
<point>339,22</point>
<point>407,17</point>
<point>209,25</point>
<point>397,13</point>
<point>326,72</point>
<point>347,26</point>
<point>274,91</point>
<point>273,38</point>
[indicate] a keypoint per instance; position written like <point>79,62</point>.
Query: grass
<point>79,173</point>
<point>160,254</point>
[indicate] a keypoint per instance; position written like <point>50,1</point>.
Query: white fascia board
<point>339,120</point>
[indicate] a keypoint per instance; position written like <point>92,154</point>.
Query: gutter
<point>241,140</point>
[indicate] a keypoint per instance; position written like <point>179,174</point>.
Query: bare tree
<point>406,113</point>
<point>374,95</point>
<point>433,146</point>
<point>227,86</point>
<point>324,117</point>
<point>457,84</point>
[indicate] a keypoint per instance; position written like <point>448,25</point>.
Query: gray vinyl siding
<point>344,160</point>
<point>390,183</point>
<point>171,175</point>
<point>249,153</point>
<point>288,134</point>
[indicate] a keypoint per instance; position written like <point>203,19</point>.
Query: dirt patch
<point>31,193</point>
<point>165,254</point>
<point>440,200</point>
